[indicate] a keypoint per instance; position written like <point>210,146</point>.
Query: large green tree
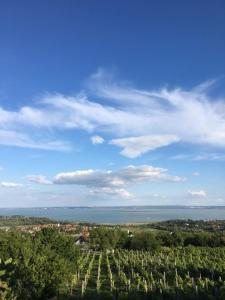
<point>44,263</point>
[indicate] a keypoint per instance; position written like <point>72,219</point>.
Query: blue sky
<point>112,103</point>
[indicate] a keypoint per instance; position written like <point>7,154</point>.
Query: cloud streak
<point>6,184</point>
<point>23,140</point>
<point>40,179</point>
<point>135,120</point>
<point>200,157</point>
<point>197,194</point>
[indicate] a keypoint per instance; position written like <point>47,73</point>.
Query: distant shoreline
<point>120,207</point>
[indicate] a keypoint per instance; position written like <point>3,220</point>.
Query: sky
<point>108,103</point>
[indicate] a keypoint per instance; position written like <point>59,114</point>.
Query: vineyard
<point>50,266</point>
<point>172,273</point>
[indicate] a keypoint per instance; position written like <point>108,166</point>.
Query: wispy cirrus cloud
<point>191,116</point>
<point>20,139</point>
<point>136,120</point>
<point>200,157</point>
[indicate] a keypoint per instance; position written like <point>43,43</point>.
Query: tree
<point>144,241</point>
<point>44,264</point>
<point>6,270</point>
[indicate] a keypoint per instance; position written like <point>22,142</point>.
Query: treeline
<point>188,225</point>
<point>106,238</point>
<point>36,267</point>
<point>12,221</point>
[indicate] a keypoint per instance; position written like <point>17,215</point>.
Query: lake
<point>119,215</point>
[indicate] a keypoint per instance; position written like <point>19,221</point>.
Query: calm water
<point>119,215</point>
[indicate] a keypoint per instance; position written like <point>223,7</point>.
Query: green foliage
<point>144,241</point>
<point>172,239</point>
<point>188,225</point>
<point>44,263</point>
<point>107,238</point>
<point>205,239</point>
<point>6,271</point>
<point>112,265</point>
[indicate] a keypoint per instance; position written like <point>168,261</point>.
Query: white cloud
<point>109,191</point>
<point>195,174</point>
<point>96,139</point>
<point>1,168</point>
<point>146,173</point>
<point>124,112</point>
<point>157,196</point>
<point>127,175</point>
<point>77,177</point>
<point>10,184</point>
<point>115,182</point>
<point>191,116</point>
<point>197,194</point>
<point>136,146</point>
<point>219,201</point>
<point>38,179</point>
<point>14,138</point>
<point>199,157</point>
